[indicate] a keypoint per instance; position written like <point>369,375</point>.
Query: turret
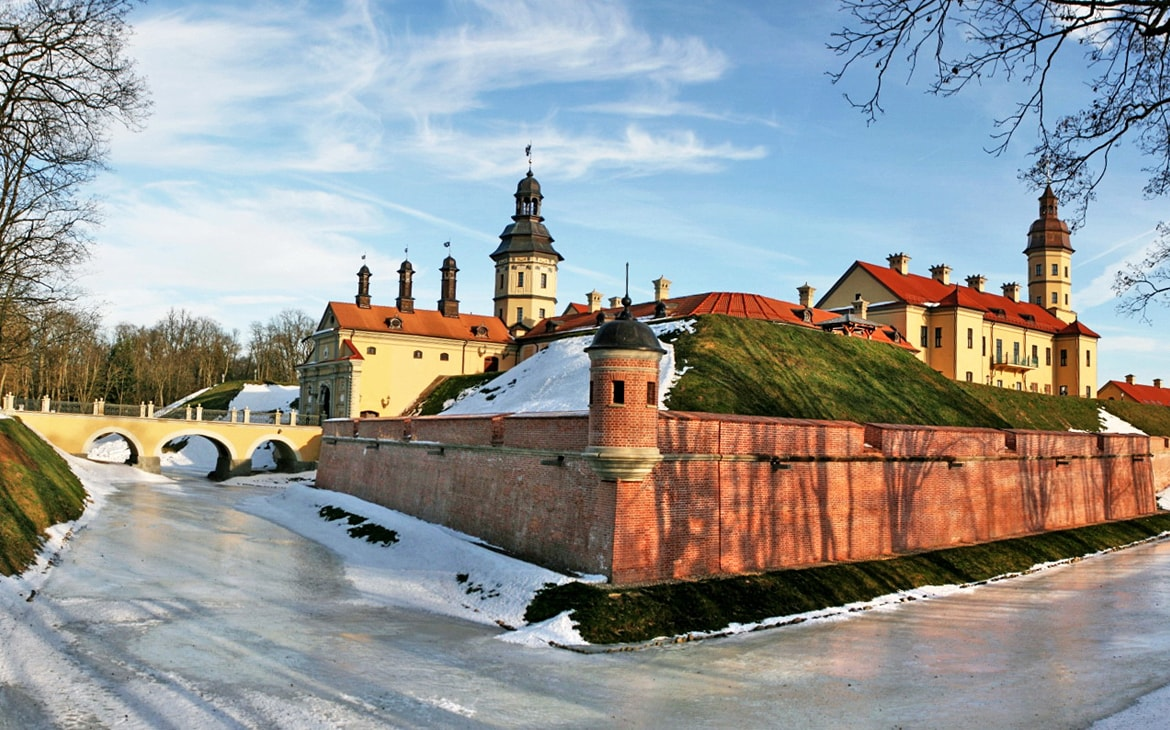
<point>623,399</point>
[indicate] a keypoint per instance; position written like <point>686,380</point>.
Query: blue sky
<point>701,141</point>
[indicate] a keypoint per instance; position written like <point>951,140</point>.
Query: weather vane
<point>528,154</point>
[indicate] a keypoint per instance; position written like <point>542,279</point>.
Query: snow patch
<point>1112,424</point>
<point>556,379</point>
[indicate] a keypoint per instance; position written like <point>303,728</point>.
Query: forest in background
<point>64,352</point>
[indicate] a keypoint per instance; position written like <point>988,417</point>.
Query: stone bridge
<point>296,448</point>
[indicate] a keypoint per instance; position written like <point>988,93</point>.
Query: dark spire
<point>448,304</point>
<point>405,301</point>
<point>1048,231</point>
<point>363,293</point>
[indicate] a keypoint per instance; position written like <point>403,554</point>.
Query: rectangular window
<point>1047,355</point>
<point>651,393</point>
<point>544,281</point>
<point>1039,270</point>
<point>1088,391</point>
<point>925,333</point>
<point>1015,353</point>
<point>970,377</point>
<point>999,383</point>
<point>1047,390</point>
<point>1055,270</point>
<point>1040,300</point>
<point>998,350</point>
<point>1064,390</point>
<point>1054,299</point>
<point>970,339</point>
<point>1035,356</point>
<point>1088,359</point>
<point>1033,387</point>
<point>619,391</point>
<point>938,336</point>
<point>1019,385</point>
<point>542,312</point>
<point>1064,358</point>
<point>591,390</point>
<point>520,279</point>
<point>519,314</point>
<point>501,281</point>
<point>984,347</point>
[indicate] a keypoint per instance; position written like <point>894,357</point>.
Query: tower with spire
<point>1049,255</point>
<point>526,262</point>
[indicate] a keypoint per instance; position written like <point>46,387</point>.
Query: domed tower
<point>1049,255</point>
<point>623,399</point>
<point>405,300</point>
<point>526,262</point>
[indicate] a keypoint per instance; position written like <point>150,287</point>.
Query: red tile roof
<point>922,290</point>
<point>1143,393</point>
<point>732,304</point>
<point>420,322</point>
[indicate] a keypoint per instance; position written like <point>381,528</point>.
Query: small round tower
<point>623,399</point>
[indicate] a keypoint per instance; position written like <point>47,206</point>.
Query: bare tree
<point>64,79</point>
<point>278,346</point>
<point>1147,282</point>
<point>1122,47</point>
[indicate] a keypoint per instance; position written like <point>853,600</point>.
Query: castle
<point>371,360</point>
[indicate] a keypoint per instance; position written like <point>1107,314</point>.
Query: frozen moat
<point>174,609</point>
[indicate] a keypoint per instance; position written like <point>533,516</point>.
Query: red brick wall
<point>737,494</point>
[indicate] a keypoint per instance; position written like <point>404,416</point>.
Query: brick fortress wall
<point>738,494</point>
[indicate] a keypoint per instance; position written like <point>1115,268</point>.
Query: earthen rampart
<point>737,494</point>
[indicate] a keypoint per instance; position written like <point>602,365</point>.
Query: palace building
<point>374,360</point>
<point>968,333</point>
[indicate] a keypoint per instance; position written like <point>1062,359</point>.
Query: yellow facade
<point>969,334</point>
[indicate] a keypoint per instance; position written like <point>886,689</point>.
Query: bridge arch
<point>288,456</point>
<point>227,462</point>
<point>136,450</point>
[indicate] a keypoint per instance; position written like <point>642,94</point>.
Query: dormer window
<point>479,331</point>
<point>394,323</point>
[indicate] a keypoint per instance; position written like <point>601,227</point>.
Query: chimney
<point>899,262</point>
<point>941,274</point>
<point>1011,290</point>
<point>448,304</point>
<point>806,295</point>
<point>1157,382</point>
<point>405,300</point>
<point>594,299</point>
<point>860,307</point>
<point>615,302</point>
<point>661,288</point>
<point>1129,380</point>
<point>363,295</point>
<point>977,282</point>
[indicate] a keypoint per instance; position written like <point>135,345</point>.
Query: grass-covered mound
<point>1022,409</point>
<point>608,615</point>
<point>37,490</point>
<point>756,368</point>
<point>1153,419</point>
<point>449,388</point>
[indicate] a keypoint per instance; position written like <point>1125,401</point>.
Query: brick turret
<point>623,399</point>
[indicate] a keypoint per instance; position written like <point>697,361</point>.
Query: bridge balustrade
<point>147,410</point>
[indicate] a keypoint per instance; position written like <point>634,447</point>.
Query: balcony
<point>1014,363</point>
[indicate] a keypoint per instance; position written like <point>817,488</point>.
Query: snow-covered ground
<point>557,379</point>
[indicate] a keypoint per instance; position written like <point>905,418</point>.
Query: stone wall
<point>739,494</point>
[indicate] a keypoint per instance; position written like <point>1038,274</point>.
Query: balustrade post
<point>187,413</point>
<point>247,415</point>
<point>276,417</point>
<point>231,415</point>
<point>142,409</point>
<point>9,401</point>
<point>199,412</point>
<point>150,409</point>
<point>45,404</point>
<point>292,417</point>
<point>96,410</point>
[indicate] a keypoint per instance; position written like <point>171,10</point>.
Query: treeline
<point>62,351</point>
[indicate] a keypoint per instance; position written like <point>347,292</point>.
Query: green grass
<point>1037,411</point>
<point>37,490</point>
<point>608,615</point>
<point>756,368</point>
<point>449,389</point>
<point>1153,419</point>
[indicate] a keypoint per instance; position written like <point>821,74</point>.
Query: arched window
<point>444,356</point>
<point>371,350</point>
<point>418,354</point>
